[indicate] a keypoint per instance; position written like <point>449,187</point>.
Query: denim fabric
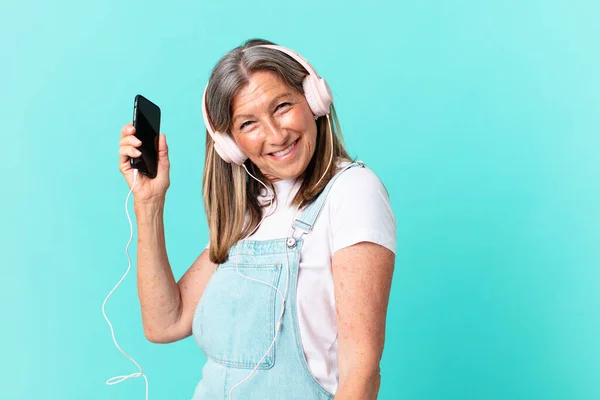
<point>235,321</point>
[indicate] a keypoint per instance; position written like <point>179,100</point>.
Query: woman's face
<point>273,124</point>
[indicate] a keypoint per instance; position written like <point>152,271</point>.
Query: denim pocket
<point>235,319</point>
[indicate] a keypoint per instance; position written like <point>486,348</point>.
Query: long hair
<point>230,196</point>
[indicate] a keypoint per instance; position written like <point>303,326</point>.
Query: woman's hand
<point>146,190</point>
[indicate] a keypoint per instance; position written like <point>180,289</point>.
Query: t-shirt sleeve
<point>360,211</point>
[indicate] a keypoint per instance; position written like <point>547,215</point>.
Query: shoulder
<point>360,210</point>
<point>358,182</point>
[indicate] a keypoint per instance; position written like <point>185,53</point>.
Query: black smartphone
<point>146,121</point>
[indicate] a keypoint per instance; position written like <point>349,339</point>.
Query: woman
<point>289,299</point>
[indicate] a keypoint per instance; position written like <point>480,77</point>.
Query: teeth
<point>284,151</point>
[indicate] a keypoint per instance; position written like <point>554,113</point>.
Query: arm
<point>362,276</point>
<point>167,307</point>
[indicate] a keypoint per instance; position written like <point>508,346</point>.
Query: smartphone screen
<point>146,121</point>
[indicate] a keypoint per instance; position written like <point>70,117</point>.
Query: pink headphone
<point>317,93</point>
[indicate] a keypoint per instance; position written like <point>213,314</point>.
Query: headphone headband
<point>292,54</point>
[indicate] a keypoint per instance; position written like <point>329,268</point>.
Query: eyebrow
<point>275,100</point>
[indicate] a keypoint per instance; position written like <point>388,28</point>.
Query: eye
<point>284,104</point>
<point>245,124</point>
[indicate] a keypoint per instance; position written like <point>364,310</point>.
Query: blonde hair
<point>230,196</point>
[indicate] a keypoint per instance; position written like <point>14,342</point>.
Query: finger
<point>130,141</point>
<point>123,158</point>
<point>163,148</point>
<point>127,152</point>
<point>125,168</point>
<point>127,130</point>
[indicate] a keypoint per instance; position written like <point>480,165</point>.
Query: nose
<point>274,133</point>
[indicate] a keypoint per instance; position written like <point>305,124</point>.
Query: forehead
<point>262,88</point>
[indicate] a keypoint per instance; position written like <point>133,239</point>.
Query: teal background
<point>480,117</point>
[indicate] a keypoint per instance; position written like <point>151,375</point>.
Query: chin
<point>292,172</point>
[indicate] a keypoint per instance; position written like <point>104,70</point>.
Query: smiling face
<point>273,124</point>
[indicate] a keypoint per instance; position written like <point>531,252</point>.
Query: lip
<point>291,153</point>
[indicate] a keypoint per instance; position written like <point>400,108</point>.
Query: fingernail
<point>137,153</point>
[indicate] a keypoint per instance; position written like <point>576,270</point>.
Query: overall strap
<point>305,222</point>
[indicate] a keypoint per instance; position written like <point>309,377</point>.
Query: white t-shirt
<point>357,210</point>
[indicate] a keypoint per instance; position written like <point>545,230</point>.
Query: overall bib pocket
<point>235,320</point>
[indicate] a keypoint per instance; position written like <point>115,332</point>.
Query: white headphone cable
<point>331,155</point>
<point>283,296</point>
<point>121,378</point>
<point>270,196</point>
<point>278,326</point>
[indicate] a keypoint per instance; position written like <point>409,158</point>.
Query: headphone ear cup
<point>318,95</point>
<point>228,149</point>
<point>225,146</point>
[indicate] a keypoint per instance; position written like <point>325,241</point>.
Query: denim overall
<point>235,320</point>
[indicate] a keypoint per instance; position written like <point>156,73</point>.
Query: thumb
<point>163,149</point>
